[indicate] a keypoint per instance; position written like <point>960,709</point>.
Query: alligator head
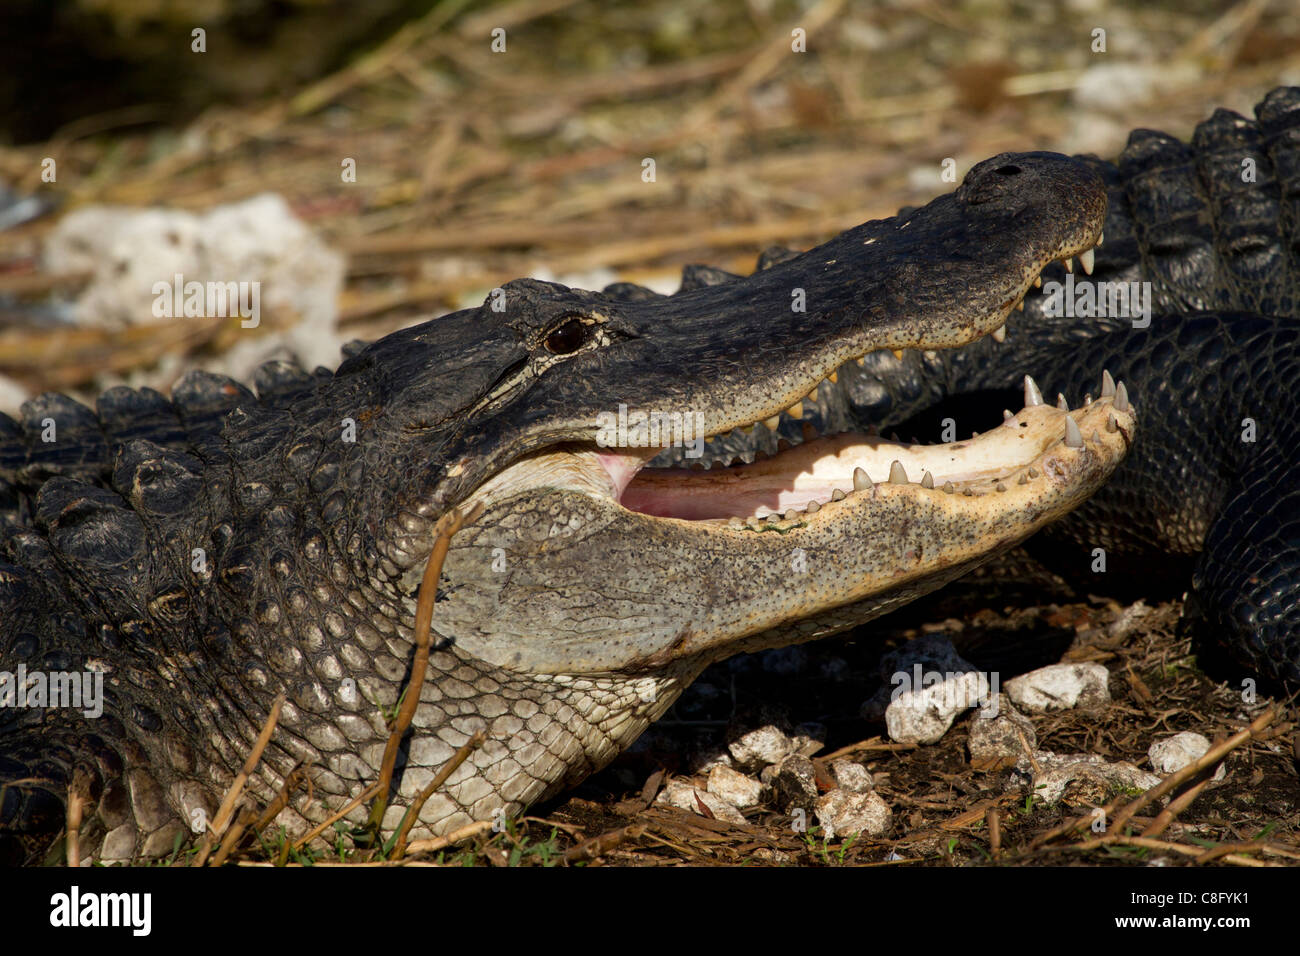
<point>602,573</point>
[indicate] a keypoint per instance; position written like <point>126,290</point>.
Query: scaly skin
<point>208,553</point>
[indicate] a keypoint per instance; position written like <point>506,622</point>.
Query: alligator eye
<point>1007,170</point>
<point>567,338</point>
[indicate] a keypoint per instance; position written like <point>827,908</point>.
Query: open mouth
<point>801,480</point>
<point>792,465</point>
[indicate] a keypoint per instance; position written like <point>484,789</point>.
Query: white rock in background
<point>737,789</point>
<point>924,716</point>
<point>1061,687</point>
<point>906,667</point>
<point>999,735</point>
<point>842,813</point>
<point>761,747</point>
<point>1048,775</point>
<point>851,776</point>
<point>1174,753</point>
<point>128,251</point>
<point>684,796</point>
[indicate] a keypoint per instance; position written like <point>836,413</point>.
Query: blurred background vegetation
<point>474,166</point>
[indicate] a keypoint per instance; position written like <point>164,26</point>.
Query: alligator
<point>209,553</point>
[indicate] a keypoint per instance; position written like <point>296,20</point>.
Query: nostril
<point>1007,170</point>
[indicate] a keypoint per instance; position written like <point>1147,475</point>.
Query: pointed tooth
<point>1107,385</point>
<point>1111,424</point>
<point>834,377</point>
<point>1073,437</point>
<point>1087,398</point>
<point>1096,437</point>
<point>1061,403</point>
<point>1086,259</point>
<point>1121,398</point>
<point>898,354</point>
<point>927,480</point>
<point>1000,333</point>
<point>1020,306</point>
<point>948,488</point>
<point>747,430</point>
<point>861,361</point>
<point>897,474</point>
<point>893,436</point>
<point>814,506</point>
<point>1024,479</point>
<point>1008,418</point>
<point>861,482</point>
<point>1001,486</point>
<point>1033,396</point>
<point>838,495</point>
<point>795,411</point>
<point>1100,236</point>
<point>791,514</point>
<point>1033,472</point>
<point>1069,263</point>
<point>772,422</point>
<point>1038,282</point>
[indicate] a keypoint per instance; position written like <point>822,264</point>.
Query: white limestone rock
<point>1061,687</point>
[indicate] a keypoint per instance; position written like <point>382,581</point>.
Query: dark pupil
<point>567,338</point>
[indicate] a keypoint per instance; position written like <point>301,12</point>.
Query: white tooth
<point>1086,259</point>
<point>1121,398</point>
<point>861,481</point>
<point>1073,437</point>
<point>1008,418</point>
<point>838,495</point>
<point>1032,394</point>
<point>947,487</point>
<point>1107,384</point>
<point>1069,263</point>
<point>1061,403</point>
<point>897,475</point>
<point>814,506</point>
<point>927,480</point>
<point>1000,333</point>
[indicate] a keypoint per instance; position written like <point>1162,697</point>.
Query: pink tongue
<point>695,495</point>
<point>622,468</point>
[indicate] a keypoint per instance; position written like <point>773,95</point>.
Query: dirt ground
<point>477,167</point>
